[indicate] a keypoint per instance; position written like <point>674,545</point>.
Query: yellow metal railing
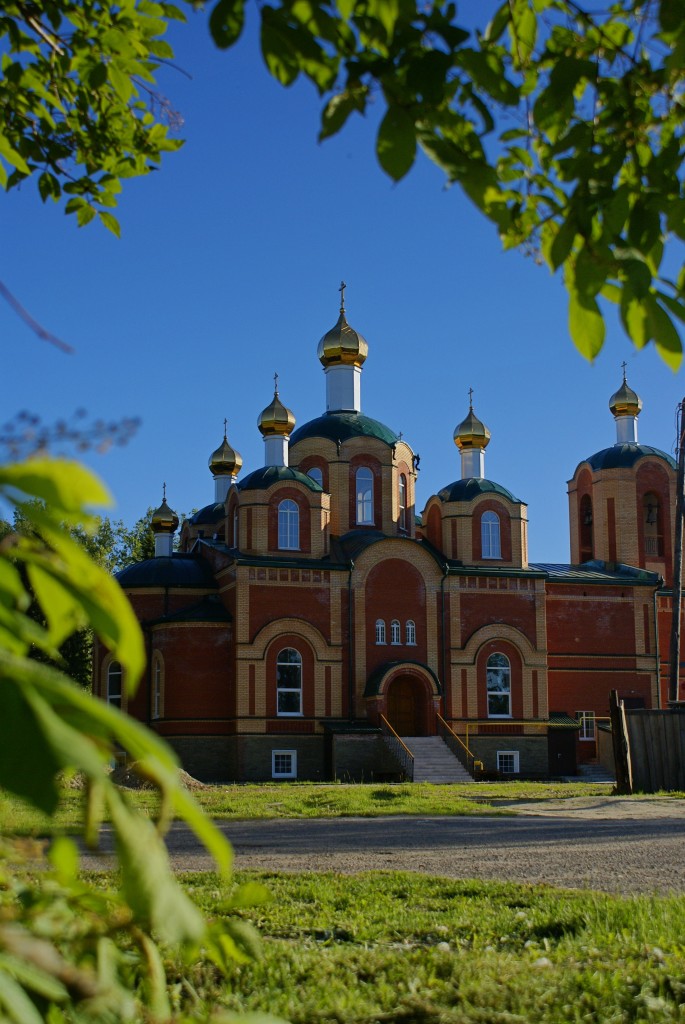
<point>468,758</point>
<point>401,750</point>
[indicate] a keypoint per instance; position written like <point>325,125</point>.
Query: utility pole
<point>674,658</point>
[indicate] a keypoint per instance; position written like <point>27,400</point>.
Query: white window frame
<point>288,525</point>
<point>588,726</point>
<point>395,632</point>
<point>499,668</point>
<point>380,631</point>
<point>364,490</point>
<point>490,535</point>
<point>283,754</point>
<point>410,633</point>
<point>515,761</point>
<point>286,690</point>
<point>402,497</point>
<point>115,671</point>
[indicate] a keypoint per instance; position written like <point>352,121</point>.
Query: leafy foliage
<point>80,106</point>
<point>563,125</point>
<point>48,725</point>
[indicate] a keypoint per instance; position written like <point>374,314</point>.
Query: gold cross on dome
<point>164,491</point>
<point>275,383</point>
<point>225,427</point>
<point>341,289</point>
<point>623,367</point>
<point>470,398</point>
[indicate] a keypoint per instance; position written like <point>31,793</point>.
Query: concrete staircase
<point>593,771</point>
<point>434,761</point>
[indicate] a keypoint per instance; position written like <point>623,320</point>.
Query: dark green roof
<point>560,720</point>
<point>168,571</point>
<point>598,572</point>
<point>265,477</point>
<point>209,514</point>
<point>467,490</point>
<point>341,426</point>
<point>208,609</point>
<point>623,456</point>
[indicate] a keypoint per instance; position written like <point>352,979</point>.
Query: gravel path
<point>608,844</point>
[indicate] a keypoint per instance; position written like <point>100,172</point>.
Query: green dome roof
<point>168,571</point>
<point>623,456</point>
<point>265,477</point>
<point>341,426</point>
<point>209,514</point>
<point>467,490</point>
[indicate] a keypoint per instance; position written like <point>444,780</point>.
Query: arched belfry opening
<point>587,546</point>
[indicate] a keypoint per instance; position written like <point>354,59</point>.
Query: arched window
<point>654,541</point>
<point>410,632</point>
<point>490,536</point>
<point>289,682</point>
<point>114,681</point>
<point>157,687</point>
<point>395,632</point>
<point>380,631</point>
<point>403,501</point>
<point>586,542</point>
<point>498,674</point>
<point>316,475</point>
<point>364,482</point>
<point>235,528</point>
<point>288,526</point>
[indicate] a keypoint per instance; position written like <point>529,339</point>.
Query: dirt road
<point>608,844</point>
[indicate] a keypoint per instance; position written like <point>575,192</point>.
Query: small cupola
<point>224,465</point>
<point>163,524</point>
<point>472,437</point>
<point>625,406</point>
<point>342,352</point>
<point>276,424</point>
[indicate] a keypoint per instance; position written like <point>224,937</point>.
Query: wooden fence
<point>649,748</point>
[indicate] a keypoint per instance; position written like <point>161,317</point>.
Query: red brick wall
<point>514,609</point>
<point>395,590</point>
<point>590,625</point>
<point>276,601</point>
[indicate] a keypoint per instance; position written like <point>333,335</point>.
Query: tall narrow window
<point>654,541</point>
<point>403,501</point>
<point>490,536</point>
<point>114,680</point>
<point>235,529</point>
<point>380,631</point>
<point>395,637</point>
<point>498,673</point>
<point>157,688</point>
<point>288,526</point>
<point>289,682</point>
<point>364,482</point>
<point>316,475</point>
<point>586,529</point>
<point>410,632</point>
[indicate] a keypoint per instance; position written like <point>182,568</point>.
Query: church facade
<point>311,614</point>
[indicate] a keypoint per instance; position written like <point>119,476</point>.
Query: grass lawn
<point>392,947</point>
<point>309,800</point>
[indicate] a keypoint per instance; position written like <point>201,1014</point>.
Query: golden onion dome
<point>225,460</point>
<point>276,418</point>
<point>471,432</point>
<point>164,519</point>
<point>342,345</point>
<point>625,402</point>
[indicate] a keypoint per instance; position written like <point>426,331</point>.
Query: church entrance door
<point>406,711</point>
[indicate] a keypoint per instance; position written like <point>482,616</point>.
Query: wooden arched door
<point>406,712</point>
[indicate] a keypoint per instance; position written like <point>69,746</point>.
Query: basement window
<point>508,762</point>
<point>283,764</point>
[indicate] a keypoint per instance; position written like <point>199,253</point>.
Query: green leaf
<point>396,142</point>
<point>226,22</point>
<point>586,325</point>
<point>28,765</point>
<point>121,82</point>
<point>278,53</point>
<point>635,317</point>
<point>110,222</point>
<point>10,154</point>
<point>16,1004</point>
<point>665,334</point>
<point>64,857</point>
<point>65,487</point>
<point>147,882</point>
<point>338,109</point>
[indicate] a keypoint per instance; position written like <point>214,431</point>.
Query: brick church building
<point>310,614</point>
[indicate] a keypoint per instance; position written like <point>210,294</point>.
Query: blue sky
<point>228,270</point>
